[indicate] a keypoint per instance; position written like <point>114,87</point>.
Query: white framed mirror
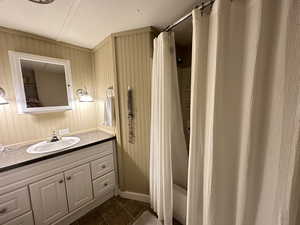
<point>42,84</point>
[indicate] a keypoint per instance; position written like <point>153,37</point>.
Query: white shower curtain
<point>168,153</point>
<point>242,114</point>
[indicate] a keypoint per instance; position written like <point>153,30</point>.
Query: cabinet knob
<point>2,211</point>
<point>103,166</point>
<point>61,181</point>
<point>69,178</point>
<point>105,184</point>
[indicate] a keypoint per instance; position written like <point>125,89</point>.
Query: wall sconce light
<point>84,95</point>
<point>3,101</point>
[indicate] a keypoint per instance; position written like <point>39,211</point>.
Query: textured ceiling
<point>87,22</point>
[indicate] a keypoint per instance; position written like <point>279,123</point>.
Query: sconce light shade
<point>86,98</point>
<point>84,95</point>
<point>3,101</point>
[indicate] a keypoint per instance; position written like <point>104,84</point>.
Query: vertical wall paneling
<point>18,128</point>
<point>133,67</point>
<point>104,74</point>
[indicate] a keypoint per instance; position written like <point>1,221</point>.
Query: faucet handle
<point>2,148</point>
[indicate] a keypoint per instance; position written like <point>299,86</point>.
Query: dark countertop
<point>18,156</point>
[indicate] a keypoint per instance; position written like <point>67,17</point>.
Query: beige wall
<point>124,59</point>
<point>16,128</point>
<point>104,73</point>
<point>133,67</point>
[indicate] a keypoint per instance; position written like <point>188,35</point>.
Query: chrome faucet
<point>54,137</point>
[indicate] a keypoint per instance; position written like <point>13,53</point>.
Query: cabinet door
<point>49,201</point>
<point>79,186</point>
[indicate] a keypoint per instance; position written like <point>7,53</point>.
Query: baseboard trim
<point>135,196</point>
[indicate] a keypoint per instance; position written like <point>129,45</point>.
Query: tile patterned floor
<point>116,211</point>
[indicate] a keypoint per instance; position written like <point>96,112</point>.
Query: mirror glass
<point>44,84</point>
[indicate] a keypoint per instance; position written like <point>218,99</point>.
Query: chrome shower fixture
<point>42,1</point>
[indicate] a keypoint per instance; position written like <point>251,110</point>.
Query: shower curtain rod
<point>201,7</point>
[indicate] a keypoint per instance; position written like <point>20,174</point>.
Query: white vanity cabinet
<point>52,197</point>
<point>48,198</point>
<point>59,190</point>
<point>79,186</point>
<point>26,219</point>
<point>104,184</point>
<point>14,204</point>
<point>102,166</point>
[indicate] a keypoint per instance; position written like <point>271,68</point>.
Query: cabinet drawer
<point>102,166</point>
<point>14,204</point>
<point>104,184</point>
<point>26,219</point>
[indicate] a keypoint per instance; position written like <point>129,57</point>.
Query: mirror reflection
<point>44,84</point>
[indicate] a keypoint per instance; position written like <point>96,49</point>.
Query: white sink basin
<point>46,146</point>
